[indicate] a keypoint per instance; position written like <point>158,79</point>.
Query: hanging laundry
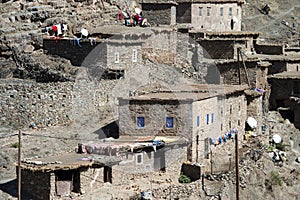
<point>92,41</point>
<point>76,41</point>
<point>229,135</point>
<point>220,140</point>
<point>58,29</point>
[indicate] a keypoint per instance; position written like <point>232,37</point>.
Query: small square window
<point>117,57</point>
<point>207,118</point>
<point>200,11</point>
<point>169,122</point>
<point>140,122</point>
<point>198,121</point>
<point>139,158</point>
<point>134,55</point>
<point>208,11</point>
<point>230,11</point>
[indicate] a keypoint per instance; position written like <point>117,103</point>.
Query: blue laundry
<point>76,41</point>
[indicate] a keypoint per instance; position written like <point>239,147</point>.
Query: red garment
<point>54,28</point>
<point>120,15</point>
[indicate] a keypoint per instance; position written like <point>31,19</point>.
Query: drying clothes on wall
<point>224,137</point>
<point>93,41</point>
<point>76,42</point>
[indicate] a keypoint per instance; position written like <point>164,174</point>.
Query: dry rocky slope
<point>22,57</point>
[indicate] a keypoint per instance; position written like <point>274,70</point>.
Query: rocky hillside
<point>281,25</point>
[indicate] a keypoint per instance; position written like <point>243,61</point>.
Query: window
<point>198,121</point>
<point>296,87</point>
<point>212,118</point>
<point>169,122</point>
<point>221,11</point>
<point>221,127</point>
<point>230,11</point>
<point>134,55</point>
<point>139,158</point>
<point>117,57</point>
<point>237,12</point>
<point>208,11</point>
<point>230,111</point>
<point>222,112</point>
<point>140,122</point>
<point>207,118</point>
<point>200,11</point>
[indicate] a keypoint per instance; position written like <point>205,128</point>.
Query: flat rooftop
<point>286,75</point>
<point>69,161</point>
<point>191,92</point>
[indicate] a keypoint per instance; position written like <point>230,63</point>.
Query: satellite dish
<point>84,32</point>
<point>276,138</point>
<point>252,122</point>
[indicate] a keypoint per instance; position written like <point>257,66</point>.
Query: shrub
<point>15,145</point>
<point>281,146</point>
<point>275,178</point>
<point>184,179</point>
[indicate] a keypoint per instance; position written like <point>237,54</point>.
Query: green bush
<point>275,178</point>
<point>15,145</point>
<point>280,146</point>
<point>184,179</point>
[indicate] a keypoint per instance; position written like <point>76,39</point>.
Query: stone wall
<point>35,184</point>
<point>277,67</point>
<point>269,49</point>
<point>25,102</point>
<point>155,113</point>
<point>157,13</point>
<point>218,49</point>
<point>67,49</point>
<point>230,75</point>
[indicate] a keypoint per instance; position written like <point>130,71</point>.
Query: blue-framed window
<point>169,122</point>
<point>207,118</point>
<point>212,117</point>
<point>140,122</point>
<point>198,121</point>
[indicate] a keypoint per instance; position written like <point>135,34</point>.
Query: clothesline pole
<point>211,162</point>
<point>19,166</point>
<point>237,176</point>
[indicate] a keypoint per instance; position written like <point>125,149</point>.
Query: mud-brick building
<point>195,112</point>
<point>285,95</point>
<point>57,176</point>
<point>201,15</point>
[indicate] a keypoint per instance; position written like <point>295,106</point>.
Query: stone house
<point>201,15</point>
<point>57,176</point>
<point>195,112</point>
<point>285,95</point>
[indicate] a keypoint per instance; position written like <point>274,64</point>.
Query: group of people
<point>57,30</point>
<point>135,19</point>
